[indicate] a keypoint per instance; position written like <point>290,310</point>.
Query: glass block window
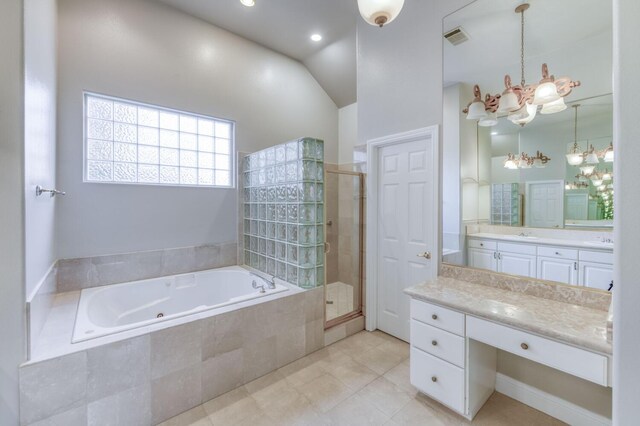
<point>131,142</point>
<point>283,203</point>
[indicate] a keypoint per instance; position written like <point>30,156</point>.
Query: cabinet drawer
<point>517,248</point>
<point>482,244</point>
<point>558,252</point>
<point>596,256</point>
<point>437,316</point>
<point>440,343</point>
<point>578,362</point>
<point>438,379</point>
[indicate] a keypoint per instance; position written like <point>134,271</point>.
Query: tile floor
<point>361,380</point>
<point>341,295</point>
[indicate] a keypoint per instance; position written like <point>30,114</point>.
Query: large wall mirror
<point>528,152</point>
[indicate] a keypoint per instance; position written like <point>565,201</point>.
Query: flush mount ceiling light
<point>380,12</point>
<point>248,3</point>
<point>316,37</point>
<point>521,102</point>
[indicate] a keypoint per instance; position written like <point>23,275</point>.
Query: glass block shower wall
<point>284,211</point>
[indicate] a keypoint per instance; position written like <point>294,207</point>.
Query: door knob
<point>426,255</point>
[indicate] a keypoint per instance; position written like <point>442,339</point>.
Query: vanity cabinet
<point>596,275</point>
<point>560,270</point>
<point>568,265</point>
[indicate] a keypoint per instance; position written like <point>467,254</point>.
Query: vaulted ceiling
<point>285,26</point>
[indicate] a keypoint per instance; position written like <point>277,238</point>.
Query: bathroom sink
<point>522,237</point>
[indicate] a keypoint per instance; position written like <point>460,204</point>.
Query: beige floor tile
<point>356,411</point>
<point>302,371</point>
<point>417,413</point>
<point>350,372</point>
<point>379,360</point>
<point>385,396</point>
<point>325,392</point>
<point>399,376</point>
<point>296,412</point>
<point>232,407</point>
<point>194,417</point>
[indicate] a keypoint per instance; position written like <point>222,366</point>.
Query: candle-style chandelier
<point>521,102</point>
<point>526,161</point>
<point>591,156</point>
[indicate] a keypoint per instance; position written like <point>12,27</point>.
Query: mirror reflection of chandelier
<point>521,102</point>
<point>526,161</point>
<point>591,157</point>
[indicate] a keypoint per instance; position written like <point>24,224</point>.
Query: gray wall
<point>400,88</point>
<point>12,331</point>
<point>149,52</point>
<point>626,132</point>
<point>40,137</point>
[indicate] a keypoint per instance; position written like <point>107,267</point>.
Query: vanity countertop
<point>585,245</point>
<point>576,325</point>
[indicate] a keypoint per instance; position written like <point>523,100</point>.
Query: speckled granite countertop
<point>576,325</point>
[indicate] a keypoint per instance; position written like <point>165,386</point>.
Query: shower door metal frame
<point>357,311</point>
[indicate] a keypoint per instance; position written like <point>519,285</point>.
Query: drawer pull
<point>434,317</point>
<point>524,346</point>
<point>557,253</point>
<point>434,342</point>
<point>434,379</point>
<point>481,244</point>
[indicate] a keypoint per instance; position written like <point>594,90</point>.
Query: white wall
<point>347,133</point>
<point>149,52</point>
<point>12,330</point>
<point>626,327</point>
<point>40,137</point>
<point>400,88</point>
<point>451,177</point>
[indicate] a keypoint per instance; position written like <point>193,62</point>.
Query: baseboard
<point>550,404</point>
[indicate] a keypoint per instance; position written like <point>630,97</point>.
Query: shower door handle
<point>426,255</point>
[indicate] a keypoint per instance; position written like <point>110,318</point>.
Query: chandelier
<point>591,157</point>
<point>526,161</point>
<point>520,103</point>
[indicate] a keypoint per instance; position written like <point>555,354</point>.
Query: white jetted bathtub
<point>114,308</point>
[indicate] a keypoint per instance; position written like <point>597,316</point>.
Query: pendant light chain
<point>522,82</point>
<point>575,128</point>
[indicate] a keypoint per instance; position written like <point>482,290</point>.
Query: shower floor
<point>341,295</point>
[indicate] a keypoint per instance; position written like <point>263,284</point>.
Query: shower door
<point>344,203</point>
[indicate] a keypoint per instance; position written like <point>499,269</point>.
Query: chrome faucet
<point>271,283</point>
<point>256,286</point>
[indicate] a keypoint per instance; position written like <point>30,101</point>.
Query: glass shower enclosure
<point>344,257</point>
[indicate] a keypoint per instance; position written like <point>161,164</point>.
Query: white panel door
<point>517,264</point>
<point>483,259</point>
<point>596,275</point>
<point>561,270</point>
<point>577,206</point>
<point>405,217</point>
<point>545,204</point>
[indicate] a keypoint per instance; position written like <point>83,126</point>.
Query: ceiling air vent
<point>456,36</point>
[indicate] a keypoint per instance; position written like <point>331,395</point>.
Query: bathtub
<point>116,308</point>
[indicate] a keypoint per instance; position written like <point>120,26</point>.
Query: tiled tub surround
<point>76,274</point>
<point>149,378</point>
<point>283,211</point>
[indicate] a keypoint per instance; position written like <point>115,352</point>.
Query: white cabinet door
<point>483,259</point>
<point>561,270</point>
<point>517,264</point>
<point>596,275</point>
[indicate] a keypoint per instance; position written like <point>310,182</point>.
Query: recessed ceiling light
<point>248,3</point>
<point>494,133</point>
<point>316,37</point>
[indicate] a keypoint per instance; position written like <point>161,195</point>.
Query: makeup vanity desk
<point>457,328</point>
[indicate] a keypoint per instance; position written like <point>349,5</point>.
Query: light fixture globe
<point>524,115</point>
<point>248,3</point>
<point>574,159</point>
<point>608,155</point>
<point>490,120</point>
<point>592,158</point>
<point>379,12</point>
<point>553,107</point>
<point>546,92</point>
<point>477,111</point>
<point>587,170</point>
<point>596,182</point>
